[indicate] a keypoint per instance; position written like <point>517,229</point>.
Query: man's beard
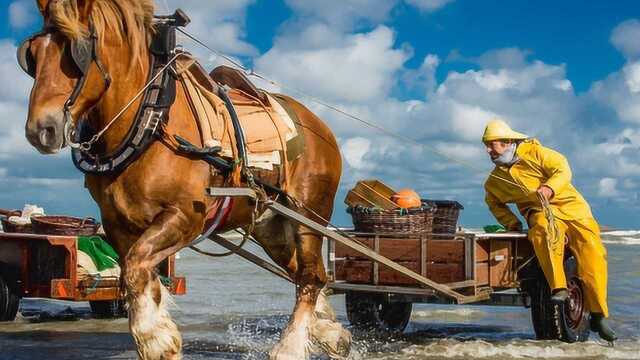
<point>508,157</point>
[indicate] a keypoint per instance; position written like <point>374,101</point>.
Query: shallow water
<point>234,310</point>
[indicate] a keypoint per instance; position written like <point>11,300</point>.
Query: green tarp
<point>102,254</point>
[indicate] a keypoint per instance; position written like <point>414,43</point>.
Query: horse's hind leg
<point>305,329</point>
<point>155,333</point>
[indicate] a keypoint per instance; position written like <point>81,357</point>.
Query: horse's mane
<point>130,20</point>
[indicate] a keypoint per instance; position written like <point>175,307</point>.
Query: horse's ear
<point>42,5</point>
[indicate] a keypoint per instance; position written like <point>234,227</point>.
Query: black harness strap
<point>154,109</point>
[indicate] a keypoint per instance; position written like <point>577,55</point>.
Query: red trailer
<point>43,266</point>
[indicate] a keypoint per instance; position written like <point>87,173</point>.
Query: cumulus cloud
<point>361,66</point>
<point>220,24</point>
<point>429,5</point>
<point>608,187</point>
<point>625,38</point>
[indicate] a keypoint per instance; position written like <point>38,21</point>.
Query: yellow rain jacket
<point>538,166</point>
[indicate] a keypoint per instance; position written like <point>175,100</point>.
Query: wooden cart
<point>382,275</point>
<point>41,266</point>
<point>472,268</point>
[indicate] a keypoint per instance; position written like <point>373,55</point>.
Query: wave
<point>622,241</point>
<point>479,349</point>
<point>622,233</point>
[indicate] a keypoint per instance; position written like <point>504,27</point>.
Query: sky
<point>567,73</point>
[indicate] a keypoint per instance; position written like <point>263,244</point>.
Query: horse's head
<point>82,43</point>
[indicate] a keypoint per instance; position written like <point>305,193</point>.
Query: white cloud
<point>22,13</point>
<point>220,24</point>
<point>608,187</point>
<point>625,38</point>
<point>354,151</point>
<point>356,68</point>
<point>429,5</point>
<point>621,92</point>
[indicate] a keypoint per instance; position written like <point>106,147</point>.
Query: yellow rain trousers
<point>538,166</point>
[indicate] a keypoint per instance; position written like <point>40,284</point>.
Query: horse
<point>157,205</point>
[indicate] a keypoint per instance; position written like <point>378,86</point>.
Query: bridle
<point>84,52</point>
<point>157,96</point>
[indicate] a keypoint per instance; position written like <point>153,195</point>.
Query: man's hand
<point>517,227</point>
<point>546,192</point>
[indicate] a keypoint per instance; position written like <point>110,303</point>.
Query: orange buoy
<point>407,198</point>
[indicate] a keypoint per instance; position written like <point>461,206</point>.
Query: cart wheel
<point>373,311</point>
<point>568,322</point>
<point>108,309</point>
<point>9,301</point>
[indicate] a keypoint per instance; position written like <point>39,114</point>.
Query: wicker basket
<point>64,225</point>
<point>445,219</point>
<point>397,221</point>
<point>9,227</point>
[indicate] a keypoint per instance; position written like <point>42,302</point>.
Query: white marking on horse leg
<point>156,335</point>
<point>323,307</point>
<point>328,334</point>
<point>295,343</point>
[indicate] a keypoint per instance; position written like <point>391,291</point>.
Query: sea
<point>235,310</point>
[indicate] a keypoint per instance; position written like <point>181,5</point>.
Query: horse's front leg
<point>155,333</point>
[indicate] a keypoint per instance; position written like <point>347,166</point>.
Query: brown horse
<point>156,206</point>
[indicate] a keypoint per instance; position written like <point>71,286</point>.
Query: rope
<point>552,228</point>
<point>554,244</point>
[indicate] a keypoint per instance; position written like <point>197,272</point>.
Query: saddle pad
<point>267,126</point>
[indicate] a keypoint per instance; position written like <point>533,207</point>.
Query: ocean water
<point>235,310</point>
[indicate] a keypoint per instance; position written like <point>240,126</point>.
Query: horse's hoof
<point>332,338</point>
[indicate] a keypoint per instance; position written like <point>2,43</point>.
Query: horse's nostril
<point>48,136</point>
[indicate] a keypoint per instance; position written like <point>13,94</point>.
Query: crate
<point>372,194</point>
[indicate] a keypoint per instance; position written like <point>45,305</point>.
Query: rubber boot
<point>559,296</point>
<point>599,324</point>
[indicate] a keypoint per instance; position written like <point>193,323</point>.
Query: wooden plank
<point>354,199</point>
<point>382,289</point>
<point>394,249</point>
<point>482,250</point>
<point>376,193</point>
<point>363,272</point>
<point>446,273</point>
<point>469,257</point>
<point>376,266</point>
<point>500,264</point>
<point>482,273</point>
<point>445,251</point>
<point>292,215</point>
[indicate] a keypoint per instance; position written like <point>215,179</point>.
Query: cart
<point>469,268</point>
<point>382,275</point>
<point>42,266</point>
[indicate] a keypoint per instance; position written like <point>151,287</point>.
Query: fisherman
<point>529,174</point>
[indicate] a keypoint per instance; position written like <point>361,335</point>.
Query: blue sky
<point>565,72</point>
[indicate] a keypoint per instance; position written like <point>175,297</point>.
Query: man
<point>527,173</point>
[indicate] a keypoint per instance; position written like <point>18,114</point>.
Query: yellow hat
<point>497,130</point>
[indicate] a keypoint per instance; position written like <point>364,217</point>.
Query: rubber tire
<point>369,311</point>
<point>9,302</point>
<point>108,309</point>
<point>553,322</point>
